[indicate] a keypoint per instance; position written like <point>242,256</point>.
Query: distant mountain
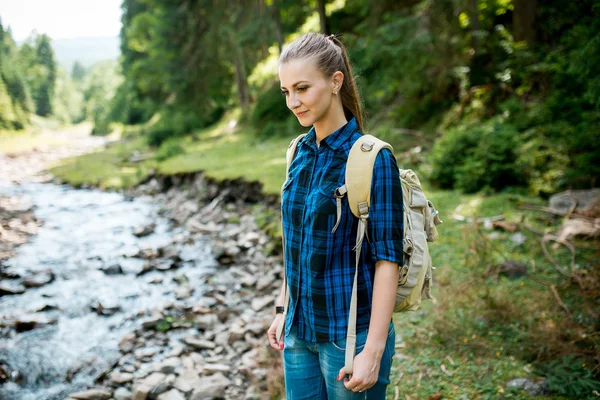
<point>86,50</point>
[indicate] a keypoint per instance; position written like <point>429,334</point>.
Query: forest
<point>495,103</point>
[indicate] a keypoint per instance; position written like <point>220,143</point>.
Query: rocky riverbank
<point>216,348</point>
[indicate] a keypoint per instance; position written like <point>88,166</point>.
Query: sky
<point>61,19</point>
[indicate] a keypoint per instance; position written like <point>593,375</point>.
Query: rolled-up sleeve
<point>386,219</point>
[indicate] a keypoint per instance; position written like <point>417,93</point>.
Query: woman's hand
<point>366,371</point>
<point>272,332</point>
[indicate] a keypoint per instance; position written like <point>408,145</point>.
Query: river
<point>83,232</point>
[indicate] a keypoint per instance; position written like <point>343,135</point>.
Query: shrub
<point>271,116</point>
<point>169,149</point>
<point>477,156</point>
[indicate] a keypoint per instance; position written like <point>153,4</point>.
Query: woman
<point>319,88</point>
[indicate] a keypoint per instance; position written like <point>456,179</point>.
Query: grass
<point>483,330</point>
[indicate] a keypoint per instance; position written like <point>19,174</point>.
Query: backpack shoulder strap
<point>359,174</point>
<point>289,156</point>
<point>291,152</point>
<point>359,170</point>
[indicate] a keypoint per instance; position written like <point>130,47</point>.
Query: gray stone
<point>585,199</point>
<point>199,343</point>
<point>152,322</point>
<point>38,279</point>
<point>92,394</point>
<point>145,231</point>
<point>119,378</point>
<point>143,389</point>
<point>114,269</point>
<point>122,394</point>
<point>208,369</point>
<point>206,321</point>
<point>518,238</point>
<point>172,394</point>
<point>537,387</point>
<point>258,303</point>
<point>8,289</point>
<point>127,344</point>
<point>265,281</point>
<point>211,386</point>
<point>512,269</point>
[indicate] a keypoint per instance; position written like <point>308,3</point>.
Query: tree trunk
<point>475,27</point>
<point>278,25</point>
<point>323,17</point>
<point>524,21</point>
<point>241,78</point>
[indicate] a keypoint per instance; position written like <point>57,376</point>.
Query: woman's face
<point>307,92</point>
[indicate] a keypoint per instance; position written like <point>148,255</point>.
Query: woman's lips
<point>301,114</point>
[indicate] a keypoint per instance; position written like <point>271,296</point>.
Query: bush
<point>175,122</point>
<point>270,115</point>
<point>169,149</point>
<point>477,156</point>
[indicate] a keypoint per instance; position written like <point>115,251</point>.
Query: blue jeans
<point>311,369</point>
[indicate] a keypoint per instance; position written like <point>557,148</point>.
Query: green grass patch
<point>112,168</point>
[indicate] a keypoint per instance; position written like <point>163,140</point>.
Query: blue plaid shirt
<point>320,264</point>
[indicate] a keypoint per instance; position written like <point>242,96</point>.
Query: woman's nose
<point>293,101</point>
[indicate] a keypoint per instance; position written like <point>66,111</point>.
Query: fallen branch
<point>559,300</point>
<point>555,212</point>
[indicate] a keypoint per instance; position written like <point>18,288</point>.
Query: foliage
<point>270,115</point>
<point>569,376</point>
<point>477,156</point>
<point>169,149</point>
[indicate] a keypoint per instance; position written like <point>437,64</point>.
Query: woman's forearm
<point>385,285</point>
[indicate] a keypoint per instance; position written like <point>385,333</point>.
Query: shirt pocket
<point>325,202</point>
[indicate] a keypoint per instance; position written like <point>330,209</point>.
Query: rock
<point>38,279</point>
<point>211,386</point>
<point>183,385</point>
<point>505,226</point>
<point>199,343</point>
<point>172,394</point>
<point>145,231</point>
<point>256,328</point>
<point>183,292</point>
<point>7,289</point>
<point>209,369</point>
<point>119,378</point>
<point>122,394</point>
<point>198,227</point>
<point>206,322</point>
<point>265,281</point>
<point>152,322</point>
<point>258,303</point>
<point>248,281</point>
<point>236,333</point>
<point>168,365</point>
<point>114,269</point>
<point>92,394</point>
<point>518,238</point>
<point>33,321</point>
<point>127,344</point>
<point>143,389</point>
<point>537,387</point>
<point>584,199</point>
<point>512,269</point>
<point>106,308</point>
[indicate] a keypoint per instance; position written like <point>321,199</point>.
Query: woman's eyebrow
<point>295,84</point>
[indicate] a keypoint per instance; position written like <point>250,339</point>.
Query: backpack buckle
<point>367,146</point>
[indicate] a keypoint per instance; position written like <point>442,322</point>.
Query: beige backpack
<point>420,220</point>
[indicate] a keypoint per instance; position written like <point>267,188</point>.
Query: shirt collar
<point>335,140</point>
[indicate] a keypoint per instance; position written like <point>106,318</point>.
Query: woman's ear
<point>337,79</point>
